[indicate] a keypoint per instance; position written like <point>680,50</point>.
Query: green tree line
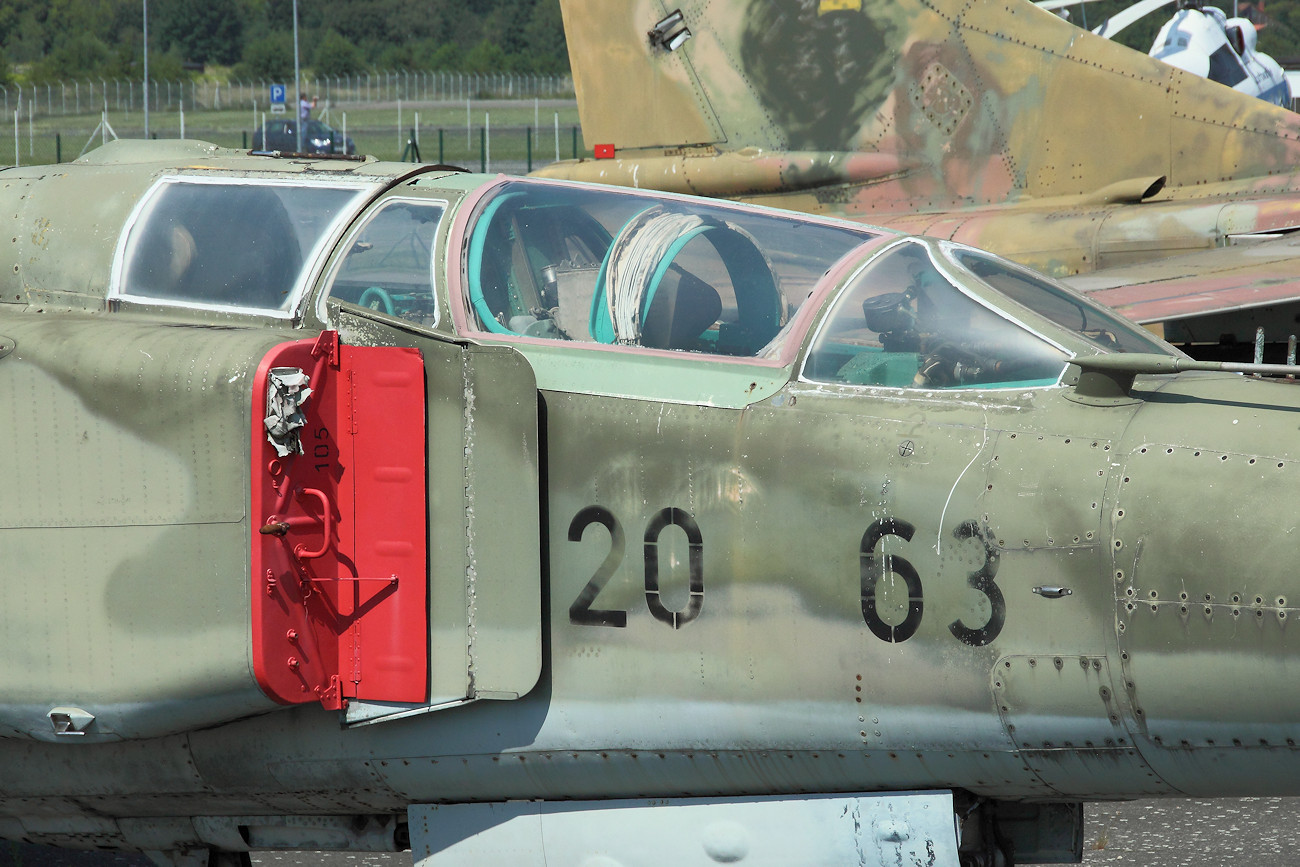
<point>46,40</point>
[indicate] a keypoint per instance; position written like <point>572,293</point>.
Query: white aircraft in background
<point>1203,41</point>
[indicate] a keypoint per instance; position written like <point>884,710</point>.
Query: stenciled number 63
<point>871,569</point>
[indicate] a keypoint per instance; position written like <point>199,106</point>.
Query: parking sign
<point>277,98</point>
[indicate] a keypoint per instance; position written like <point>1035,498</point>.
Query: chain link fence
<point>510,149</point>
<point>125,95</point>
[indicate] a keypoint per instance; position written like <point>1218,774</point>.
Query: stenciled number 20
<point>581,612</point>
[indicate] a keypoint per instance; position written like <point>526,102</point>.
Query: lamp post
<point>146,67</point>
<point>297,79</point>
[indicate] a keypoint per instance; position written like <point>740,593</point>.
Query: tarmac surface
<point>1225,832</point>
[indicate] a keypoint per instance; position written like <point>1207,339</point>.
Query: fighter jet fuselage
<point>353,501</point>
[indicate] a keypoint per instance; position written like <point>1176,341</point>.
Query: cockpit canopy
<point>928,314</point>
<point>645,271</point>
<point>545,263</point>
<point>599,266</point>
<point>228,243</point>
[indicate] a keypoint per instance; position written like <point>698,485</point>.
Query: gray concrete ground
<point>1229,832</point>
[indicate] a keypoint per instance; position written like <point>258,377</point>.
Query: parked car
<point>317,138</point>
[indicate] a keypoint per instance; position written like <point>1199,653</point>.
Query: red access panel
<point>339,548</point>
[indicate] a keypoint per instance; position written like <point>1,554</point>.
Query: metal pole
<point>557,136</point>
<point>146,68</point>
<point>297,79</point>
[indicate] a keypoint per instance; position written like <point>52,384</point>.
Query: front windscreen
<point>1098,325</point>
<point>233,245</point>
<point>902,323</point>
<point>627,269</point>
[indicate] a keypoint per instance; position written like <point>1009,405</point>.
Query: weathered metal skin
<point>159,489</point>
<point>683,541</point>
<point>992,123</point>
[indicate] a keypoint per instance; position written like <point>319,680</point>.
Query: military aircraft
<point>992,123</point>
<point>1204,41</point>
<point>358,505</point>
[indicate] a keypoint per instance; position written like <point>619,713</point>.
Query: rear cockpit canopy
<point>230,243</point>
<point>71,223</point>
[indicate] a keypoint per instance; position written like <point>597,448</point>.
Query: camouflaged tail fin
<point>934,105</point>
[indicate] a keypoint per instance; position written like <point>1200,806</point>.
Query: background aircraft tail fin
<point>962,102</point>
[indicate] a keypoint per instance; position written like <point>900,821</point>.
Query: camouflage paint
<point>779,683</point>
<point>990,122</point>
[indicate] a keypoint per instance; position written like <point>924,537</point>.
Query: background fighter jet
<point>355,505</point>
<point>991,122</point>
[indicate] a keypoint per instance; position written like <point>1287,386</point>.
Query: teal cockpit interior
<point>606,267</point>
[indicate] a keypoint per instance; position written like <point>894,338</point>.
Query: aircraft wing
<point>1221,280</point>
